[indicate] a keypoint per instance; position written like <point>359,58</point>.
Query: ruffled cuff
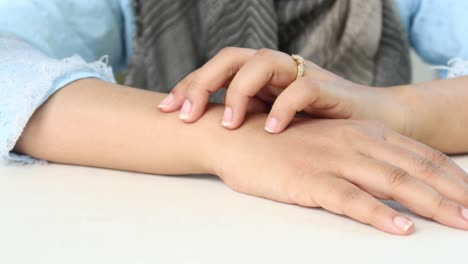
<point>456,67</point>
<point>27,79</point>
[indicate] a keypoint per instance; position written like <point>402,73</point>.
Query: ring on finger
<point>300,65</point>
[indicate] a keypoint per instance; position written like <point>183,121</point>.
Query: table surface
<point>70,214</point>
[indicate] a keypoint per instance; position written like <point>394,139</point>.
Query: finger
<point>175,99</point>
<point>267,94</point>
<point>293,99</point>
<point>266,67</point>
<point>210,78</point>
<point>257,106</point>
<point>344,198</point>
<point>422,168</point>
<point>378,176</point>
<point>427,152</point>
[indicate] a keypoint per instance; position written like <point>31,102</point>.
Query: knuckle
<point>349,194</point>
<point>228,51</point>
<point>183,84</point>
<point>353,133</point>
<point>312,86</point>
<point>346,199</point>
<point>376,209</point>
<point>377,127</point>
<point>350,130</point>
<point>428,169</point>
<point>438,157</point>
<point>237,94</point>
<point>295,196</point>
<point>442,205</point>
<point>182,87</point>
<point>305,186</point>
<point>299,196</point>
<point>264,52</point>
<point>465,197</point>
<point>234,184</point>
<point>180,94</point>
<point>373,213</point>
<point>286,103</point>
<point>376,123</point>
<point>293,186</point>
<point>397,177</point>
<point>179,87</point>
<point>197,87</point>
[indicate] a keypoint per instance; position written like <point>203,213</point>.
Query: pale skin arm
<point>94,123</point>
<point>343,166</point>
<point>437,113</point>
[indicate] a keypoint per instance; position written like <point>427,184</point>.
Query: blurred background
<point>421,71</point>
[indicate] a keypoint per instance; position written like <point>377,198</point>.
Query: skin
<point>343,166</point>
<point>431,112</point>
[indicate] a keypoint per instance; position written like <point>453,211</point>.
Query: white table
<point>66,214</point>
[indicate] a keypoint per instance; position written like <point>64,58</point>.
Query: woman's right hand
<point>345,166</point>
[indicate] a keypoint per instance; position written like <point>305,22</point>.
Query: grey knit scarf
<point>360,40</point>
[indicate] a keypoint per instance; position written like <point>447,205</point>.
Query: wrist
<point>210,139</point>
<point>412,111</point>
<point>222,146</point>
<point>388,105</point>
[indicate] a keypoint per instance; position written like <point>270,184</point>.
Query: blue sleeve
<point>27,78</point>
<point>437,31</point>
<point>45,45</point>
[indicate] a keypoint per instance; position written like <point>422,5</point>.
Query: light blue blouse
<point>44,45</point>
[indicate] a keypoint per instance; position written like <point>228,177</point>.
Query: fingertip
<point>166,102</point>
<point>228,125</point>
<point>232,117</point>
<point>411,230</point>
<point>193,109</point>
<point>186,110</point>
<point>403,225</point>
<point>271,125</point>
<point>168,109</point>
<point>227,121</point>
<point>172,104</point>
<point>193,116</point>
<point>187,118</point>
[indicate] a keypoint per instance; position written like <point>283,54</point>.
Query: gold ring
<point>300,65</point>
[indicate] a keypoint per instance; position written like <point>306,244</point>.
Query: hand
<point>268,76</point>
<point>344,166</point>
<point>336,164</point>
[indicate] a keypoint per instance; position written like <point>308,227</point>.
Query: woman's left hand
<point>257,79</point>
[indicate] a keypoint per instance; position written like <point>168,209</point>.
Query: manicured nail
<point>271,125</point>
<point>464,212</point>
<point>404,224</point>
<point>227,117</point>
<point>166,101</point>
<point>185,111</point>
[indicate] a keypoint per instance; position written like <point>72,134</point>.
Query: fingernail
<point>271,125</point>
<point>404,224</point>
<point>185,111</point>
<point>464,212</point>
<point>166,101</point>
<point>227,117</point>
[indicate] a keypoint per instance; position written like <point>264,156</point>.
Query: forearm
<point>438,113</point>
<point>98,124</point>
